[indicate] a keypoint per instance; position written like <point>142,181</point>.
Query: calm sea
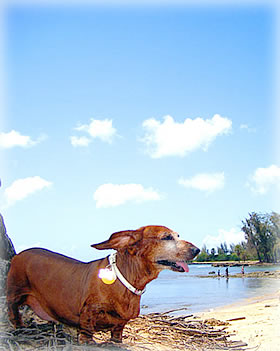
<point>186,290</point>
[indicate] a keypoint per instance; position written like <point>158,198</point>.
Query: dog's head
<point>157,244</point>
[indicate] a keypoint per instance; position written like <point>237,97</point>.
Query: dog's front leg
<point>14,315</point>
<point>85,337</point>
<point>87,324</point>
<point>116,333</point>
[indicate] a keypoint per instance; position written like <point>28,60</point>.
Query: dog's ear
<point>120,240</point>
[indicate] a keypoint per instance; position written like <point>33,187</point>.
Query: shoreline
<point>234,263</point>
<point>255,321</point>
<point>257,274</point>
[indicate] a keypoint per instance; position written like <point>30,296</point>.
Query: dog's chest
<point>102,316</point>
<point>105,315</point>
<point>106,318</point>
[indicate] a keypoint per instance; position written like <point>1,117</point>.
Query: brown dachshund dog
<point>61,289</point>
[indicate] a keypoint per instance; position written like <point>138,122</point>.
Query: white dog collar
<point>113,264</point>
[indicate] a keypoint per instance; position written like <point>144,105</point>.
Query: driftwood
<point>155,331</point>
<point>236,319</point>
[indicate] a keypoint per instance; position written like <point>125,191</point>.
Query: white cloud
<point>101,129</point>
<point>207,182</point>
<point>21,188</point>
<point>111,195</point>
<point>80,141</point>
<point>265,179</point>
<point>232,236</point>
<point>170,138</point>
<point>14,138</point>
<point>247,128</point>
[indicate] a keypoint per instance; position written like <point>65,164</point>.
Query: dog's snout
<point>195,251</point>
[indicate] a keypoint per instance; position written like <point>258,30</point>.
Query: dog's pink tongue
<point>183,265</point>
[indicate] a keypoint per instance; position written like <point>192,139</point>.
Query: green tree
<point>204,255</point>
<point>231,248</point>
<point>261,234</point>
<point>224,248</point>
<point>250,229</point>
<point>237,250</point>
<point>212,253</point>
<point>275,228</point>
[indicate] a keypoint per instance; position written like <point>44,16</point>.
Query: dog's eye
<point>168,237</point>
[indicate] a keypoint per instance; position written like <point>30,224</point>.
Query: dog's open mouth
<point>175,266</point>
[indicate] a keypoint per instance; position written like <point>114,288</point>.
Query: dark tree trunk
<point>7,250</point>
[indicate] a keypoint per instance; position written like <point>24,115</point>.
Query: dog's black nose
<point>195,251</point>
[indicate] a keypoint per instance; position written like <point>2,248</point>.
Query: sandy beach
<point>255,321</point>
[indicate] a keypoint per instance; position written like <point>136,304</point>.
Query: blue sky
<point>123,116</point>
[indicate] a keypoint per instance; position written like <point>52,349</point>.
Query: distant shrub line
<point>262,241</point>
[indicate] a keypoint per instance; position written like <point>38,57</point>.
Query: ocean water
<point>173,290</point>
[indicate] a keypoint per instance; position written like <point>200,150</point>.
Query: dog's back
<point>48,282</point>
